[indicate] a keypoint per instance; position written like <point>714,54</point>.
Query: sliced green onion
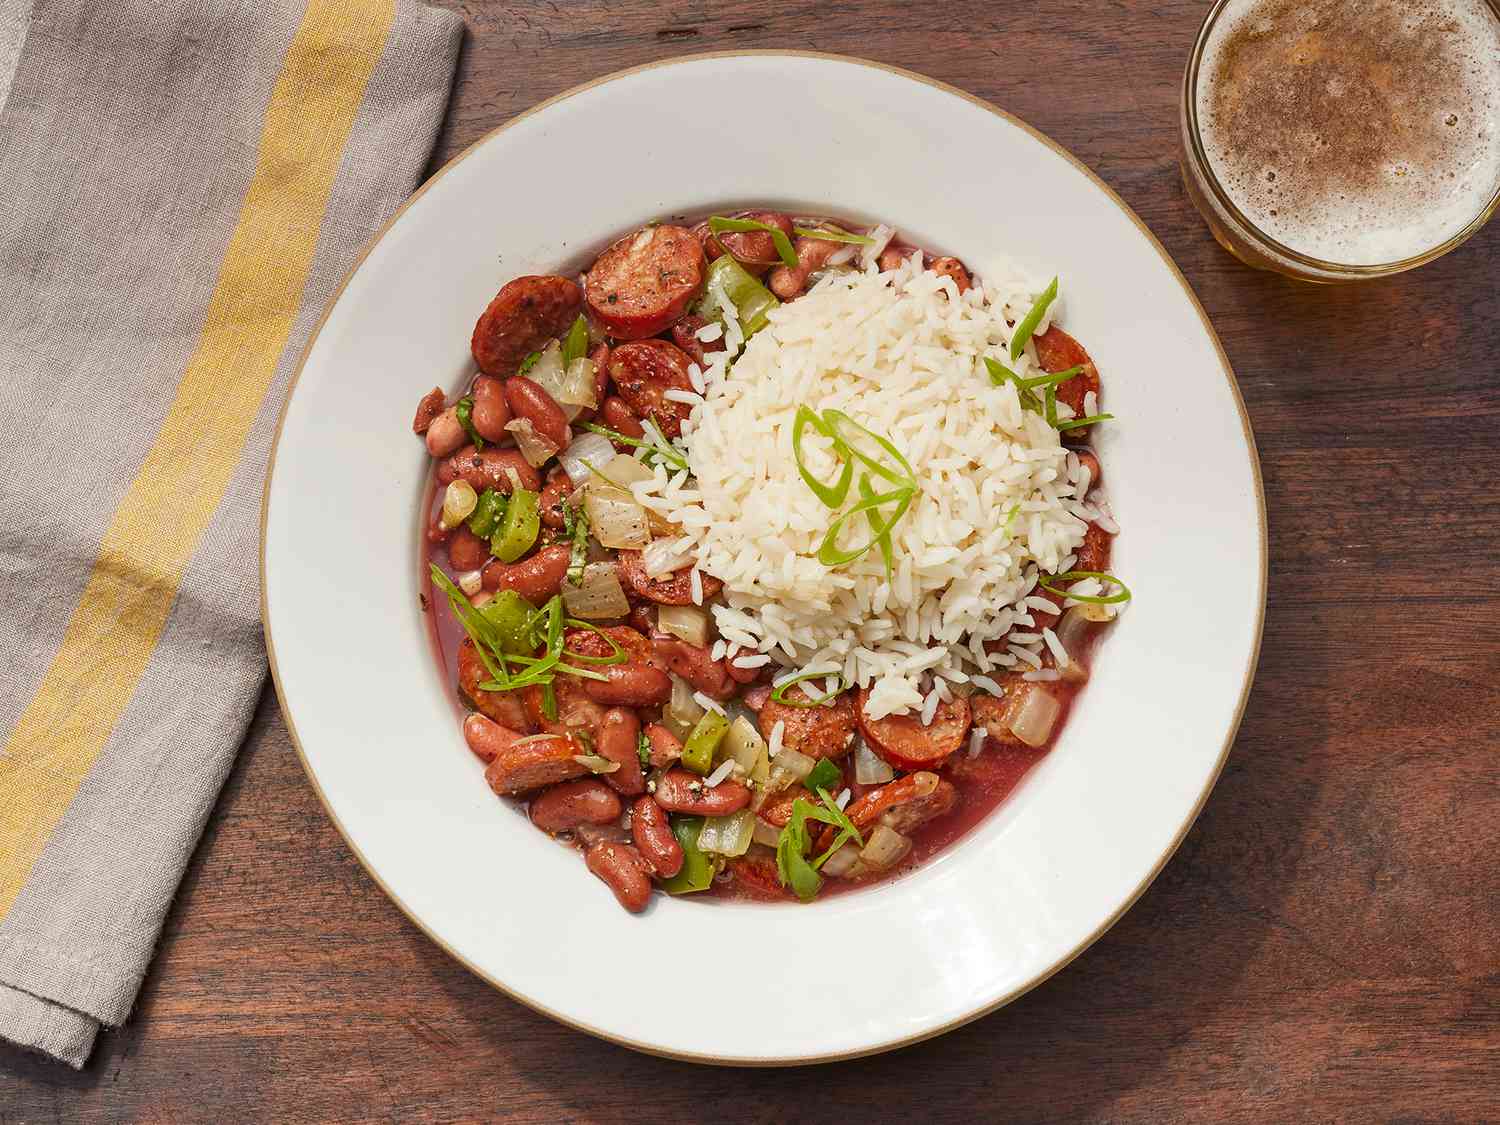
<point>780,696</point>
<point>487,513</point>
<point>520,527</point>
<point>720,225</point>
<point>1000,375</point>
<point>529,362</point>
<point>824,774</point>
<point>1010,519</point>
<point>1076,423</point>
<point>1046,583</point>
<point>729,281</point>
<point>578,553</point>
<point>643,749</point>
<point>671,455</point>
<point>832,814</point>
<point>1032,319</point>
<point>835,419</point>
<point>829,553</point>
<point>881,535</point>
<point>549,703</point>
<point>1052,378</point>
<point>464,408</point>
<point>832,495</point>
<point>830,233</point>
<point>576,343</point>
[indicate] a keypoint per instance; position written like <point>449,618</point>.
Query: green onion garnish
<point>529,362</point>
<point>829,553</point>
<point>830,233</point>
<point>720,225</point>
<point>824,774</point>
<point>643,749</point>
<point>780,696</point>
<point>881,535</point>
<point>792,865</point>
<point>464,408</point>
<point>576,524</point>
<point>1032,319</point>
<point>837,420</point>
<point>1000,375</point>
<point>832,495</point>
<point>1076,423</point>
<point>1046,583</point>
<point>1052,378</point>
<point>576,343</point>
<point>671,455</point>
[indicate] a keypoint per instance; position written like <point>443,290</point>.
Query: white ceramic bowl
<point>1029,888</point>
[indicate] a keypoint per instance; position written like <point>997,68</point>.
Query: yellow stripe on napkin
<point>155,530</point>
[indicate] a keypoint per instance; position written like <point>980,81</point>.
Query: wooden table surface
<point>1326,944</point>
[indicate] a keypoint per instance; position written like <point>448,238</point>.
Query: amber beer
<point>1337,139</point>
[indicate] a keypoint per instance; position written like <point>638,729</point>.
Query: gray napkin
<point>183,183</point>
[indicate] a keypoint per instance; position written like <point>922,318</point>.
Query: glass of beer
<point>1333,140</point>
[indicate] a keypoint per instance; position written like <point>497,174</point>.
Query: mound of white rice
<point>899,352</point>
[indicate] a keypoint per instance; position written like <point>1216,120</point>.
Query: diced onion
<point>1033,720</point>
<point>578,388</point>
<point>768,834</point>
<point>884,848</point>
<point>615,519</point>
<point>537,449</point>
<point>794,763</point>
<point>549,373</point>
<point>682,711</point>
<point>663,557</point>
<point>685,621</point>
<point>747,748</point>
<point>842,861</point>
<point>471,581</point>
<point>588,448</point>
<point>720,774</point>
<point>600,597</point>
<point>624,470</point>
<point>727,835</point>
<point>869,767</point>
<point>459,500</point>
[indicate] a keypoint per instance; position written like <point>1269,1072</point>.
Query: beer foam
<point>1361,132</point>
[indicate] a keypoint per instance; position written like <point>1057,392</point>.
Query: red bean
<point>528,400</point>
<point>488,468</point>
<point>536,578</point>
<point>630,685</point>
<point>491,411</point>
<point>566,806</point>
<point>445,434</point>
<point>653,837</point>
<point>684,792</point>
<point>623,870</point>
<point>619,742</point>
<point>666,747</point>
<point>467,551</point>
<point>696,666</point>
<point>487,738</point>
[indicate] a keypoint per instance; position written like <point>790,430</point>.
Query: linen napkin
<point>183,183</point>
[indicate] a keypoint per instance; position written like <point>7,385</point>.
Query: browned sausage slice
<point>524,315</point>
<point>755,250</point>
<point>575,710</point>
<point>505,707</point>
<point>644,282</point>
<point>952,267</point>
<point>670,589</point>
<point>535,763</point>
<point>905,743</point>
<point>1057,351</point>
<point>1093,553</point>
<point>818,732</point>
<point>643,373</point>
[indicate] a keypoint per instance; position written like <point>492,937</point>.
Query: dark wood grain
<point>1326,944</point>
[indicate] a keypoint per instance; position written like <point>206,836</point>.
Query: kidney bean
<point>756,697</point>
<point>684,792</point>
<point>566,806</point>
<point>491,411</point>
<point>528,400</point>
<point>623,870</point>
<point>618,741</point>
<point>428,409</point>
<point>487,737</point>
<point>630,685</point>
<point>696,666</point>
<point>536,578</point>
<point>643,617</point>
<point>558,488</point>
<point>488,468</point>
<point>666,747</point>
<point>590,834</point>
<point>653,837</point>
<point>741,675</point>
<point>445,433</point>
<point>617,415</point>
<point>467,551</point>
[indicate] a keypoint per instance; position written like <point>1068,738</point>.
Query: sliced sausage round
<point>644,282</point>
<point>575,710</point>
<point>524,315</point>
<point>905,743</point>
<point>1057,351</point>
<point>818,732</point>
<point>670,589</point>
<point>534,764</point>
<point>643,373</point>
<point>755,250</point>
